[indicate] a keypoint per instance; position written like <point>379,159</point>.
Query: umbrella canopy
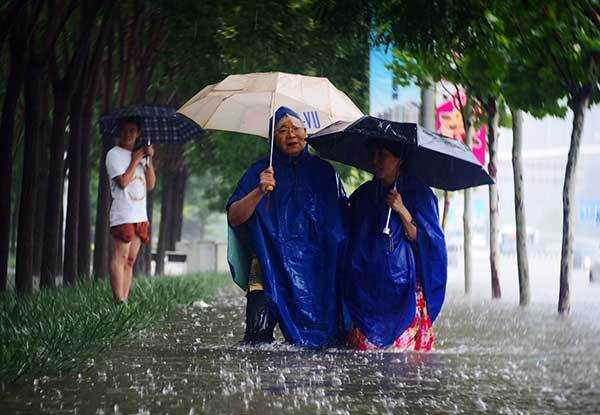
<point>437,161</point>
<point>242,103</point>
<point>160,125</point>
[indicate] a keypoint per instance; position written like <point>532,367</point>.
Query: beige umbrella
<point>242,103</point>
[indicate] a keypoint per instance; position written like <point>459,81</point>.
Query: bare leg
<point>134,248</point>
<point>117,269</point>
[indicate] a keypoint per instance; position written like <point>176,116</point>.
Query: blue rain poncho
<point>382,271</point>
<point>297,234</point>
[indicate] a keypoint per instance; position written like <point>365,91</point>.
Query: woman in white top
<point>131,175</point>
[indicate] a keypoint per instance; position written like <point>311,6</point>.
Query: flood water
<point>491,357</point>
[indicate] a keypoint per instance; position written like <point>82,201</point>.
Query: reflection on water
<point>491,357</point>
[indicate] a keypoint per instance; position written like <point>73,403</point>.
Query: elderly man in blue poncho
<point>290,216</point>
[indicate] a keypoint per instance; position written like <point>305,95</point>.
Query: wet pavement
<point>491,357</point>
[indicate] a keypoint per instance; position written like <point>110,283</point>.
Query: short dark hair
<point>130,120</point>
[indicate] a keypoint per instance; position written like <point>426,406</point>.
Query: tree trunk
<point>578,106</point>
<point>147,265</point>
<point>101,233</point>
<point>90,81</point>
<point>446,210</point>
<point>24,269</point>
<point>181,183</point>
<point>61,239</point>
<point>176,210</point>
<point>51,259</point>
<point>493,117</point>
<point>11,96</point>
<point>14,221</point>
<point>70,267</point>
<point>42,181</point>
<point>176,219</point>
<point>427,110</point>
<point>143,263</point>
<point>467,204</point>
<point>163,234</point>
<point>85,226</point>
<point>521,226</point>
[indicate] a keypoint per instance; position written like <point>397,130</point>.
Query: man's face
<point>290,136</point>
<point>129,134</point>
<point>386,164</point>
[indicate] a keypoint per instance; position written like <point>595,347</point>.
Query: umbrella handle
<point>386,230</point>
<point>147,145</point>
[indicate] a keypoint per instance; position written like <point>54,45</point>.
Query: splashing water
<point>490,357</point>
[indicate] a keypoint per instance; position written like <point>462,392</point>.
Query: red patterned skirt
<point>418,336</point>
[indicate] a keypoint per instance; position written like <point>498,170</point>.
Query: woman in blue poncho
<point>395,283</point>
<point>295,233</point>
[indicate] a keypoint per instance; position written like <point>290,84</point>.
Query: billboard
<point>449,122</point>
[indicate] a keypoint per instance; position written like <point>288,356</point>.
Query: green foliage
<point>537,54</point>
<point>210,40</point>
<point>59,330</point>
<point>553,53</point>
<point>221,158</point>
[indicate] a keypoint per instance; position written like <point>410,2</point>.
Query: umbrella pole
<point>272,134</point>
<point>386,230</point>
<point>272,141</point>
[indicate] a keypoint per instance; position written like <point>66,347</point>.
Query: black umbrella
<point>160,125</point>
<point>437,161</point>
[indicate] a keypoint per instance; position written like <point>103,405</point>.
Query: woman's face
<point>386,164</point>
<point>290,137</point>
<point>129,133</point>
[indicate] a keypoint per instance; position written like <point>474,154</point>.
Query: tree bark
<point>85,226</point>
<point>24,268</point>
<point>493,117</point>
<point>181,183</point>
<point>11,96</point>
<point>74,265</point>
<point>163,234</point>
<point>176,211</point>
<point>446,210</point>
<point>42,180</point>
<point>578,105</point>
<point>143,263</point>
<point>61,238</point>
<point>520,222</point>
<point>467,204</point>
<point>147,264</point>
<point>63,88</point>
<point>14,224</point>
<point>427,113</point>
<point>101,233</point>
<point>50,255</point>
<point>70,267</point>
<point>90,85</point>
<point>9,19</point>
